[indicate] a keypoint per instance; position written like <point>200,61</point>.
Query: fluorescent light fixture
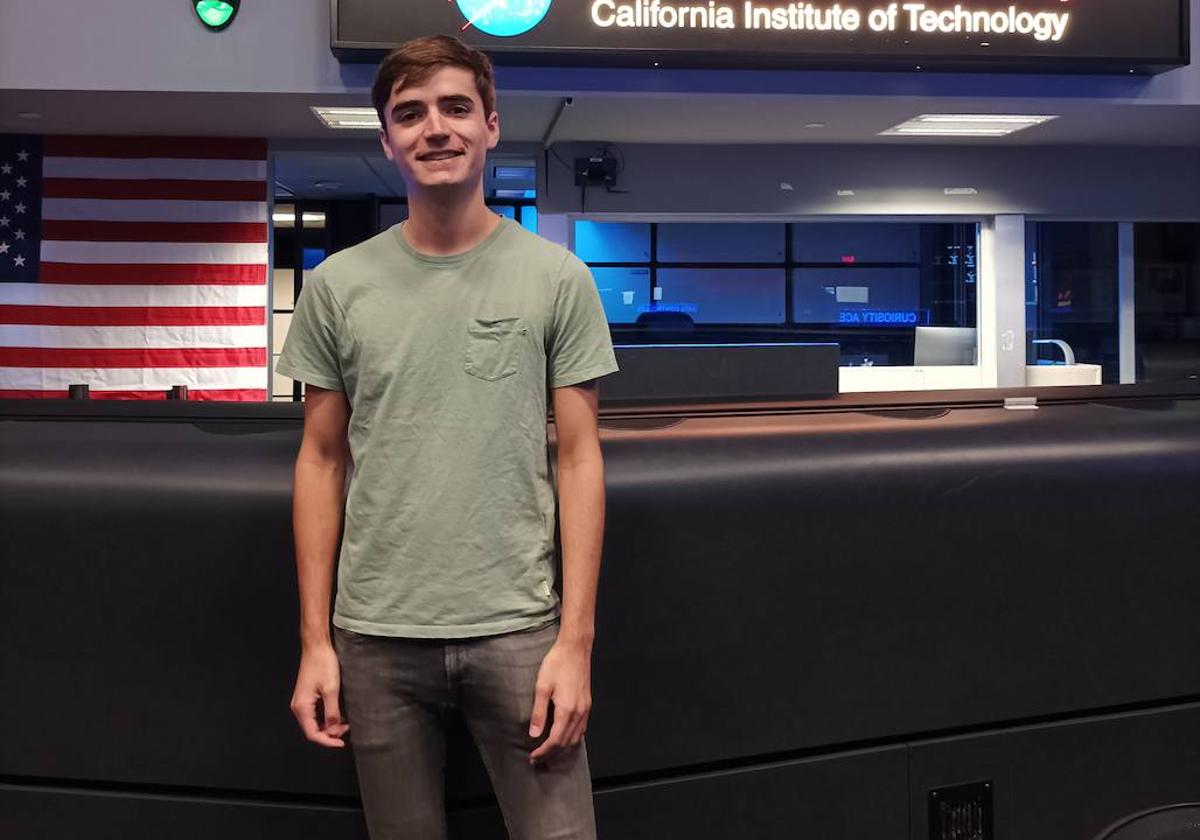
<point>984,118</point>
<point>966,125</point>
<point>360,118</point>
<point>288,217</point>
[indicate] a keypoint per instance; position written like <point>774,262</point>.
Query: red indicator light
<point>848,259</point>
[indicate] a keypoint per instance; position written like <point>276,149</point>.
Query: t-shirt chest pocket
<point>494,347</point>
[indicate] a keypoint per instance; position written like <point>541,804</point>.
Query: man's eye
<point>407,116</point>
<point>458,109</point>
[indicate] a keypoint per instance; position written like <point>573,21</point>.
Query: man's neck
<point>444,227</point>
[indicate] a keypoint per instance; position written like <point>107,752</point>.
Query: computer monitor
<point>945,346</point>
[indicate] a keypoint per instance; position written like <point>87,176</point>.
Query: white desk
<point>1037,376</point>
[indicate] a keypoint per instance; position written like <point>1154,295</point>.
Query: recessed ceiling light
<point>29,115</point>
<point>966,125</point>
<point>360,118</point>
<point>814,125</point>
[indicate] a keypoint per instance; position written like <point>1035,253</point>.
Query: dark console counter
<point>809,615</point>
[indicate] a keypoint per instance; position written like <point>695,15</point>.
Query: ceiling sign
<point>1073,36</point>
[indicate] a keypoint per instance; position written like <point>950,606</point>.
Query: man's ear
<point>494,129</point>
<point>387,150</point>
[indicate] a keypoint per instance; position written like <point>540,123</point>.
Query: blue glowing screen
<point>503,18</point>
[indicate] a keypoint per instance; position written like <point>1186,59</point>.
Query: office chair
<point>665,324</point>
<point>1167,822</point>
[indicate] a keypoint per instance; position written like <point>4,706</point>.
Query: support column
<point>1001,328</point>
<point>1126,314</point>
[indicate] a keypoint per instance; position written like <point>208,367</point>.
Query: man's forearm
<point>581,524</point>
<point>317,508</point>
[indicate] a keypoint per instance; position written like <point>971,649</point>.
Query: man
<point>430,352</point>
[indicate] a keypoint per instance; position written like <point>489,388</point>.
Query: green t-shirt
<point>447,364</point>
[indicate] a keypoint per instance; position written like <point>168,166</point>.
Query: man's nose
<point>435,125</point>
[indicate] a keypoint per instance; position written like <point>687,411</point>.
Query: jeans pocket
<point>493,347</point>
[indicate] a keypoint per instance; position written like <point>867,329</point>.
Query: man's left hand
<point>565,680</point>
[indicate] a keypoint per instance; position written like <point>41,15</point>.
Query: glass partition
<point>1167,302</point>
<point>301,242</point>
<point>884,291</point>
<point>1071,298</point>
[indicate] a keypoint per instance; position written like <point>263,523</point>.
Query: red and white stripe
<point>153,272</point>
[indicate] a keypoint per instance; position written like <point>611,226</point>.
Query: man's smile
<point>444,154</point>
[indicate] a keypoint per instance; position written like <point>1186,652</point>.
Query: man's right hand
<point>319,680</point>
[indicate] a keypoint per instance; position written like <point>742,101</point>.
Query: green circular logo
<point>216,14</point>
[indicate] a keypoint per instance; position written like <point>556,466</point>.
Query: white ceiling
<point>311,152</point>
<point>630,118</point>
<point>782,119</point>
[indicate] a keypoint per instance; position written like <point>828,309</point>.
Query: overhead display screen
<point>1113,36</point>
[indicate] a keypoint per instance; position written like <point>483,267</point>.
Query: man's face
<point>436,132</point>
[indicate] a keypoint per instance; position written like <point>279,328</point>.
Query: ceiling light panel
<point>966,125</point>
<point>351,118</point>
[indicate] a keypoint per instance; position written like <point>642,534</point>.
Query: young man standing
<point>430,352</point>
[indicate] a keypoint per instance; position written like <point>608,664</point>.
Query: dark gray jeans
<point>395,694</point>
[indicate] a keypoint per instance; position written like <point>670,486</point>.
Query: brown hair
<point>415,61</point>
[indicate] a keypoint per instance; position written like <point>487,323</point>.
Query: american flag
<point>132,265</point>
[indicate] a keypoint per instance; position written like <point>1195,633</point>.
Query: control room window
<point>881,290</point>
<point>300,242</point>
<point>1167,301</point>
<point>1071,295</point>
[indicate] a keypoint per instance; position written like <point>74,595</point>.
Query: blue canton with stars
<point>20,207</point>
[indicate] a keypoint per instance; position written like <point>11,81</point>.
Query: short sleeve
<point>579,345</point>
<point>310,350</point>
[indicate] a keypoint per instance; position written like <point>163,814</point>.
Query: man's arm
<point>565,675</point>
<point>581,507</point>
<point>317,510</point>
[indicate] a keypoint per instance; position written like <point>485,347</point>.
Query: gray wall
<point>272,46</point>
<point>1131,184</point>
<point>283,46</point>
